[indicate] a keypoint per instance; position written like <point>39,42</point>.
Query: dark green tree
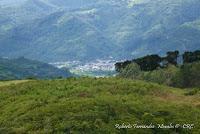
<point>121,65</point>
<point>172,57</point>
<point>189,75</point>
<point>189,57</point>
<point>149,62</point>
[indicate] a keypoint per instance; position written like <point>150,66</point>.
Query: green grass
<point>7,83</point>
<point>90,105</point>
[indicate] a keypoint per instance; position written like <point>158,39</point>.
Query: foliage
<point>188,75</point>
<point>164,70</point>
<point>161,76</point>
<point>192,92</point>
<point>121,65</point>
<point>132,71</point>
<point>90,105</point>
<point>149,62</point>
<point>189,57</point>
<point>172,57</point>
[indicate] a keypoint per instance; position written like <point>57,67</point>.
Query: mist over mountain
<point>60,30</point>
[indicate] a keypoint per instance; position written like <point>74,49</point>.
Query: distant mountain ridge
<point>62,30</point>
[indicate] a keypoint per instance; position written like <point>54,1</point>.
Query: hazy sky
<point>11,2</point>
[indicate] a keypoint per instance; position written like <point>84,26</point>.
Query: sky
<point>11,2</point>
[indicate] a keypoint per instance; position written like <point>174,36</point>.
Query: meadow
<point>91,105</point>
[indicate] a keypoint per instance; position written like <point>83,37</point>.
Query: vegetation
<point>188,75</point>
<point>90,105</point>
<point>189,57</point>
<point>172,57</point>
<point>6,83</point>
<point>164,76</point>
<point>59,30</point>
<point>164,70</point>
<point>148,63</point>
<point>151,62</point>
<point>21,68</point>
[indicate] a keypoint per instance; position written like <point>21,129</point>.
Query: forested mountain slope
<point>85,30</point>
<point>22,68</point>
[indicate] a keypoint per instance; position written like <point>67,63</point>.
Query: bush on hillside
<point>161,76</point>
<point>132,71</point>
<point>188,75</point>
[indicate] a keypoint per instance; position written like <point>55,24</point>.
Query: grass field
<point>7,83</point>
<point>90,105</point>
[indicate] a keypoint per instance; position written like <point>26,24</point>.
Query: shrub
<point>132,71</point>
<point>188,76</point>
<point>192,92</point>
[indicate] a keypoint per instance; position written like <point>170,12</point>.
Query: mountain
<point>60,30</point>
<point>58,36</point>
<point>27,11</point>
<point>158,26</point>
<point>22,68</point>
<point>76,4</point>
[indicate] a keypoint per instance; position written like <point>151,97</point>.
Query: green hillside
<point>21,68</point>
<point>89,105</point>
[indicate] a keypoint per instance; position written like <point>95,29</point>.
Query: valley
<point>97,68</point>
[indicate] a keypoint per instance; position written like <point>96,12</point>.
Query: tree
<point>132,71</point>
<point>188,76</point>
<point>189,57</point>
<point>121,65</point>
<point>172,57</point>
<point>149,62</point>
